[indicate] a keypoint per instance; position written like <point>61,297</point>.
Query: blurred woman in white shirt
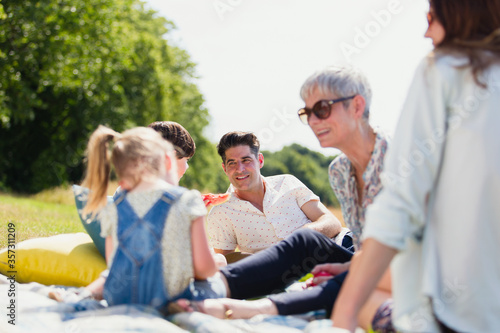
<point>438,214</point>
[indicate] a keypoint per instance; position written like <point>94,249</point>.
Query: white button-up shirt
<point>237,222</point>
<point>440,202</point>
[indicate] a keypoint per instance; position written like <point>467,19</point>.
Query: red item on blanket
<point>211,199</point>
<point>310,282</point>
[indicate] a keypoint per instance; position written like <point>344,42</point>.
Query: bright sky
<point>252,57</point>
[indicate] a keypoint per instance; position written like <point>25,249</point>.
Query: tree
<point>205,172</point>
<point>68,66</point>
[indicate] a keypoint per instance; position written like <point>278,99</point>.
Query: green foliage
<point>309,166</point>
<point>205,172</point>
<point>68,66</point>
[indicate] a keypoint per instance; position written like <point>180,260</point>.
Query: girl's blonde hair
<point>136,154</point>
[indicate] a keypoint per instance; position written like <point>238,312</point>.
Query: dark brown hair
<point>471,28</point>
<point>181,139</point>
<point>233,139</point>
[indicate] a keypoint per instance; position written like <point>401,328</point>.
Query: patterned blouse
<point>343,182</point>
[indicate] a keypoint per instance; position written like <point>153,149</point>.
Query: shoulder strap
<point>173,194</point>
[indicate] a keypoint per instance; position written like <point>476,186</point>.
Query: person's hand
<point>331,269</point>
<point>220,260</point>
<point>211,199</point>
<point>318,278</point>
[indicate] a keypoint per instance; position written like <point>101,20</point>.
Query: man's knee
<point>311,242</point>
<point>305,234</point>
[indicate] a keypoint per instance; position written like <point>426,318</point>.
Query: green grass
<point>35,218</point>
<point>47,213</point>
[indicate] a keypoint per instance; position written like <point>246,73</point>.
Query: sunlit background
<point>253,56</point>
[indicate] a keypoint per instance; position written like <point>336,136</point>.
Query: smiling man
<point>261,210</point>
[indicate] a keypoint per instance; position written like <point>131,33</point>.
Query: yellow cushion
<point>66,259</point>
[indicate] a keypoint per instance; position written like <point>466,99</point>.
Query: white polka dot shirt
<point>237,222</point>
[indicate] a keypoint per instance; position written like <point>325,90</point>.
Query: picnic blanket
<point>35,312</point>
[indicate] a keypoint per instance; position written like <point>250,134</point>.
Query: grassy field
<point>33,217</point>
<point>48,213</point>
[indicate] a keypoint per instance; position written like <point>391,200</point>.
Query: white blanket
<point>35,312</point>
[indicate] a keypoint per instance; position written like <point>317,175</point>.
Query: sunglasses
<point>321,109</point>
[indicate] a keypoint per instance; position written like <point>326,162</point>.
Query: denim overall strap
<point>136,274</point>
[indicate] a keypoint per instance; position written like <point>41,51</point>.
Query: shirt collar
<point>231,190</point>
<point>376,155</point>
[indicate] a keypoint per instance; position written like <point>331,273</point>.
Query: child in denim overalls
<point>152,226</point>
